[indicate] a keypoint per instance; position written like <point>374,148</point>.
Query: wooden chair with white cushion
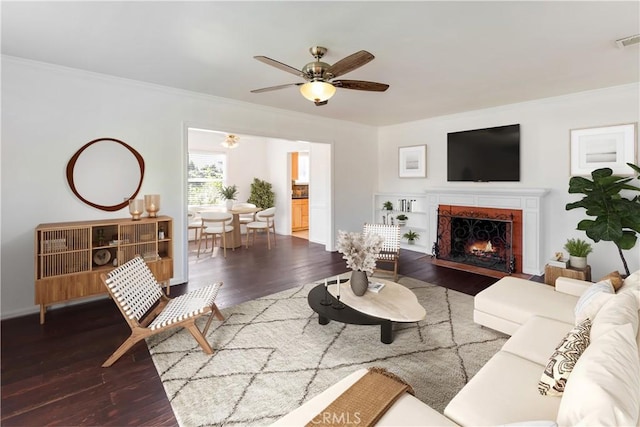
<point>216,224</point>
<point>264,221</point>
<point>194,222</point>
<point>148,310</point>
<point>390,252</point>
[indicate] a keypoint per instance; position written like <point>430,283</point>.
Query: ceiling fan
<point>320,86</point>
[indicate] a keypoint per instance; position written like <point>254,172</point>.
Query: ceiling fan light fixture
<point>231,141</point>
<point>317,91</point>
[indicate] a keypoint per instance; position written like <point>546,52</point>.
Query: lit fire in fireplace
<point>481,249</point>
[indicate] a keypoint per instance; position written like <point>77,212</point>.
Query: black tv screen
<point>483,155</point>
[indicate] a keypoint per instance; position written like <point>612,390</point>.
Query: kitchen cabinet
<point>299,214</point>
<point>294,166</point>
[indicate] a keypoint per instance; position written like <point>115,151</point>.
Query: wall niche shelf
<point>418,218</point>
<point>70,256</point>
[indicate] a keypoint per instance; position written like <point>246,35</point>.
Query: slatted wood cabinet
<point>70,256</point>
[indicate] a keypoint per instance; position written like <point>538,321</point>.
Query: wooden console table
<point>551,273</point>
<point>70,256</point>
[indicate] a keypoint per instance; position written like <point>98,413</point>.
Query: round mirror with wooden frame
<point>105,173</point>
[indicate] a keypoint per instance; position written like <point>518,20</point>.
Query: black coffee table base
<point>345,314</point>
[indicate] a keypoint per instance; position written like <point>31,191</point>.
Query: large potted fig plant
<point>616,218</point>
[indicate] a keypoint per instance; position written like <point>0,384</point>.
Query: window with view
<point>205,177</point>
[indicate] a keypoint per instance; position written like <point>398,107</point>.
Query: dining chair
<point>194,222</point>
<point>264,221</point>
<point>390,252</point>
<point>148,311</point>
<point>216,224</point>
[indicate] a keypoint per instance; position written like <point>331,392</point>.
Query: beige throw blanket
<point>364,402</point>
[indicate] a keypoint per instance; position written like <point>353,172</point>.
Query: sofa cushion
<point>603,388</point>
<point>558,368</point>
<point>518,299</point>
<point>575,287</point>
<point>632,284</point>
<point>503,391</point>
<point>621,309</point>
<point>406,411</point>
<point>592,300</point>
<point>615,278</point>
<point>537,339</point>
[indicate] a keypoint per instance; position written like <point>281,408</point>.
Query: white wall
<point>545,126</point>
<point>320,190</point>
<point>49,112</point>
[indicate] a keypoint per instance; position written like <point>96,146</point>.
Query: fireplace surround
<point>487,238</point>
<point>528,245</point>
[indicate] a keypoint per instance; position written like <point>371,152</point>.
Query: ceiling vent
<point>628,41</point>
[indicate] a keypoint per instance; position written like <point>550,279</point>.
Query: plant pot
<point>229,204</point>
<point>411,241</point>
<point>577,261</point>
<point>402,222</point>
<point>359,282</point>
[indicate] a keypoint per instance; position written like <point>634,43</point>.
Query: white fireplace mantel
<point>528,200</point>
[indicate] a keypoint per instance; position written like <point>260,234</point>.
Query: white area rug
<point>272,355</point>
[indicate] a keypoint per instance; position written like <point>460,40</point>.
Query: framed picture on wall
<point>412,161</point>
<point>603,147</point>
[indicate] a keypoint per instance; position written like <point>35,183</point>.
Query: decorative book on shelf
<point>563,263</point>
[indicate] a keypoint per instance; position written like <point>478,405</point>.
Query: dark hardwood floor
<point>52,374</point>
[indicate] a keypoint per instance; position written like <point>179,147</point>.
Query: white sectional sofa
<point>603,388</point>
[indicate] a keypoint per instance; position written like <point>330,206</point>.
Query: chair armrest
<point>571,286</point>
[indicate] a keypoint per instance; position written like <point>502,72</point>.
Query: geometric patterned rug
<point>272,355</point>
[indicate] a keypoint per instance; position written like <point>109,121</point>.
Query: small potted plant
<point>388,206</point>
<point>229,194</point>
<point>578,250</point>
<point>411,236</point>
<point>402,219</point>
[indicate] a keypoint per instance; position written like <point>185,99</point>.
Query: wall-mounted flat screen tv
<point>484,155</point>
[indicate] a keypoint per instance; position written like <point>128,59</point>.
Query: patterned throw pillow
<point>563,359</point>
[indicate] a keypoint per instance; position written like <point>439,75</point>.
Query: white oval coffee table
<point>393,303</point>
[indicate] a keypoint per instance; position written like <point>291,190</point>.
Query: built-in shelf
<point>416,213</point>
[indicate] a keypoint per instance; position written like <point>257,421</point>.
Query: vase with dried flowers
<point>361,251</point>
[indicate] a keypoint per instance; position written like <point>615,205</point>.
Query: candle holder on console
<point>136,208</point>
<point>152,204</point>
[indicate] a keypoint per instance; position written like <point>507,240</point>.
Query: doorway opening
<point>269,159</point>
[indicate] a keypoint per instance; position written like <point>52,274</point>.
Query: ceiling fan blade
<point>350,63</point>
<point>360,85</point>
<point>279,65</point>
<point>270,88</point>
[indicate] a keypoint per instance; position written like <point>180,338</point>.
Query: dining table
<point>234,237</point>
